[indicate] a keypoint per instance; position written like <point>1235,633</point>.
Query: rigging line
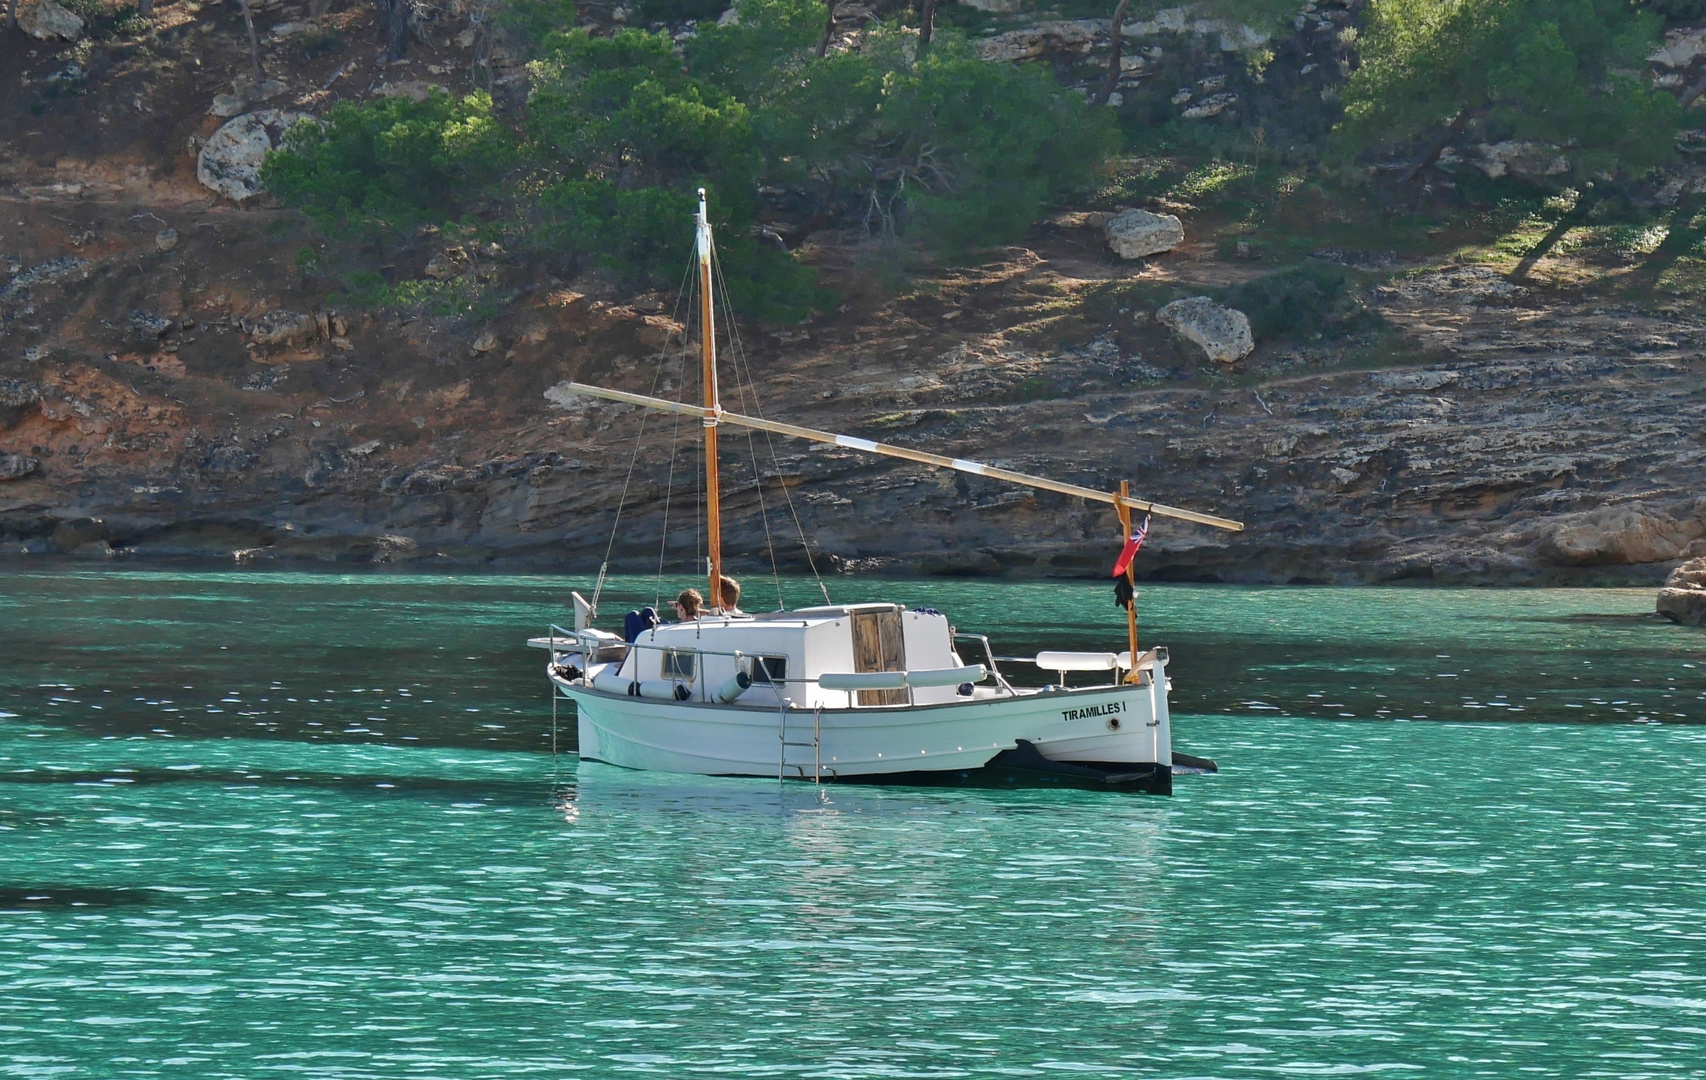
<point>674,437</point>
<point>639,442</point>
<point>747,391</point>
<point>770,441</point>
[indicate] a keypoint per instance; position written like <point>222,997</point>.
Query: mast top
<point>703,223</point>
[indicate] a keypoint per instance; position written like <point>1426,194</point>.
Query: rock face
<point>1210,106</point>
<point>1229,35</point>
<point>47,20</point>
<point>280,327</point>
<point>1682,47</point>
<point>1136,234</point>
<point>231,161</point>
<point>1618,535</point>
<point>1073,36</point>
<point>1683,598</point>
<point>1221,332</point>
<point>1531,161</point>
<point>412,89</point>
<point>16,466</point>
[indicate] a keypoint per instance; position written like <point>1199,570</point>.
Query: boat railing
<point>988,656</point>
<point>699,687</point>
<point>561,639</point>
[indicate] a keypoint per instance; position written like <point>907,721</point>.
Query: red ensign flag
<point>1129,552</point>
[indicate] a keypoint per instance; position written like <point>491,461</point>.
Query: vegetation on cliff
<point>932,146</point>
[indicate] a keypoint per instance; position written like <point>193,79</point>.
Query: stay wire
<point>681,294</point>
<point>745,392</point>
<point>770,442</point>
<point>639,444</point>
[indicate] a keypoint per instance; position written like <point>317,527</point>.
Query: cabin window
<point>770,669</point>
<point>678,665</point>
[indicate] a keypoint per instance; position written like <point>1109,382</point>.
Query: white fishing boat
<point>858,692</point>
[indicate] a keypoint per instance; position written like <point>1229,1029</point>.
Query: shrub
<point>941,149</point>
<point>1567,72</point>
<point>1303,302</point>
<point>391,162</point>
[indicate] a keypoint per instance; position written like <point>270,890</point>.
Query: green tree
<point>1569,72</point>
<point>934,146</point>
<point>392,162</point>
<point>931,145</point>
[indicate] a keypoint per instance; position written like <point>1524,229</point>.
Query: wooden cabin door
<point>878,646</point>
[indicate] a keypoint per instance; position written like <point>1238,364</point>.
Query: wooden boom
<point>976,468</point>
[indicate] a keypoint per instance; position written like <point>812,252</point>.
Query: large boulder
<point>1532,161</point>
<point>1231,36</point>
<point>1683,598</point>
<point>1221,332</point>
<point>46,20</point>
<point>1682,47</point>
<point>17,466</point>
<point>231,161</point>
<point>281,327</point>
<point>1072,37</point>
<point>1621,535</point>
<point>1135,234</point>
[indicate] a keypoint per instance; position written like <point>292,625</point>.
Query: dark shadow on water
<point>1589,618</point>
<point>45,897</point>
<point>511,792</point>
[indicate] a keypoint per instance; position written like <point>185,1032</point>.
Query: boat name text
<point>1109,709</point>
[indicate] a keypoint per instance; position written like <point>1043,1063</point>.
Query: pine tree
<point>1566,72</point>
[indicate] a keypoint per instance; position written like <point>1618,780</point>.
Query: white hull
<point>1125,724</point>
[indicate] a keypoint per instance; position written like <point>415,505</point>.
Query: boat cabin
<point>848,656</point>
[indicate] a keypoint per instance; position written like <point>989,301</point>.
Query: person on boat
<point>730,590</point>
<point>637,623</point>
<point>689,605</point>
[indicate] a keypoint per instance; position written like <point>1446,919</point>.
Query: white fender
<point>1077,661</point>
<point>611,683</point>
<point>863,680</point>
<point>948,676</point>
<point>734,688</point>
<point>663,690</point>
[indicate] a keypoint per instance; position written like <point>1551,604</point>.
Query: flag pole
<point>1121,503</point>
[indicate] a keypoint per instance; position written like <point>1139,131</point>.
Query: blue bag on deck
<point>638,622</point>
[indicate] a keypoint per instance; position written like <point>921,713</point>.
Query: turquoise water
<point>309,824</point>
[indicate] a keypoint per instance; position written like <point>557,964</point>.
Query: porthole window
<point>678,665</point>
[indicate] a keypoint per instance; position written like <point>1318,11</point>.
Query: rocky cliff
<point>176,378</point>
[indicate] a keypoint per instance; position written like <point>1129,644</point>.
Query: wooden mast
<point>713,410</point>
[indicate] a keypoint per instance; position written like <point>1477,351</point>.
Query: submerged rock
<point>1683,598</point>
<point>1221,332</point>
<point>1135,234</point>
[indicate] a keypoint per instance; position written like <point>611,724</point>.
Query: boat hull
<point>1116,727</point>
